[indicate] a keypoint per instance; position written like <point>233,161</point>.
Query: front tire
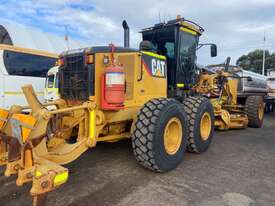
<point>159,137</point>
<point>201,119</point>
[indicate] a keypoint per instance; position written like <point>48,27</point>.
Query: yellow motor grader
<point>152,96</point>
<point>234,107</point>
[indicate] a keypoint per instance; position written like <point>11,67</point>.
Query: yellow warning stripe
<point>21,93</point>
<point>154,55</point>
<point>180,85</point>
<point>52,89</point>
<point>92,124</point>
<point>189,31</point>
<point>191,27</point>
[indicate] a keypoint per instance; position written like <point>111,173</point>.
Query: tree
<point>253,61</point>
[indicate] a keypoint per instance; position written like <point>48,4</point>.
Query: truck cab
<point>178,41</point>
<point>51,91</point>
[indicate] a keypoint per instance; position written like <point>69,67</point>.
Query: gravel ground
<point>237,170</point>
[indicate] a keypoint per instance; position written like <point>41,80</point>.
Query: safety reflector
<point>38,173</point>
<point>60,178</point>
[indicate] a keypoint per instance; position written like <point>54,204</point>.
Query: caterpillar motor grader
<point>237,96</point>
<point>152,96</point>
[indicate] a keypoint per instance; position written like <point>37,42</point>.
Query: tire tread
<point>142,137</point>
<point>251,109</point>
<point>191,106</point>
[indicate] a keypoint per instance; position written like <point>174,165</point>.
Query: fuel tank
<point>254,83</point>
<point>249,82</point>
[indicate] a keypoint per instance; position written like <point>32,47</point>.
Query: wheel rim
<point>205,126</point>
<point>261,111</point>
<point>173,136</point>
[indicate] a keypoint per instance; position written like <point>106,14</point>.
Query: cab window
<point>170,47</point>
<point>163,41</point>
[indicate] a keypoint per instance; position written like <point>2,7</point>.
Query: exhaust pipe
<point>126,34</point>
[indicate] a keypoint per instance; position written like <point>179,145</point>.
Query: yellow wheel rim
<point>261,111</point>
<point>205,126</point>
<point>173,136</point>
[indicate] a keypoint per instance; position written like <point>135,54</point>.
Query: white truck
<point>51,91</point>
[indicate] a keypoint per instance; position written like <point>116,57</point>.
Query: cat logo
<point>158,67</point>
<point>154,64</point>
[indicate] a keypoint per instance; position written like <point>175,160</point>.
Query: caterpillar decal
<point>155,64</point>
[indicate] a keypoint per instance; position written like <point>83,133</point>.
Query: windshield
<point>50,81</point>
<point>188,45</point>
<point>187,54</point>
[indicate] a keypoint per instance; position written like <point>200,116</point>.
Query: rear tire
<point>200,114</point>
<point>254,108</point>
<point>156,146</point>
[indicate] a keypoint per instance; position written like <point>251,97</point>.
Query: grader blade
<point>20,134</point>
<point>35,154</point>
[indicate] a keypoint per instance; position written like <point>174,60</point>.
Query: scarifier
<point>153,96</point>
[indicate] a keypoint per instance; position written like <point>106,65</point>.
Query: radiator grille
<point>76,78</point>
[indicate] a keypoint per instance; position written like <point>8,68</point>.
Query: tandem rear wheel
<point>200,114</point>
<point>165,128</point>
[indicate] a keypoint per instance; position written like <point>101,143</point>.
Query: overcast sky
<point>236,26</point>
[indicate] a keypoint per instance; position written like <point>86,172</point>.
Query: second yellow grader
<point>155,96</point>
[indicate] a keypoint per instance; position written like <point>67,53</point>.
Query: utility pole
<point>264,56</point>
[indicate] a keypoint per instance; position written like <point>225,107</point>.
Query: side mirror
<point>213,50</point>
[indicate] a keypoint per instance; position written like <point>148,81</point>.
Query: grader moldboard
<point>151,96</point>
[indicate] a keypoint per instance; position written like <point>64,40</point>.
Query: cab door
<point>186,66</point>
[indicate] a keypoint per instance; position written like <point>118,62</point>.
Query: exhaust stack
<point>126,34</point>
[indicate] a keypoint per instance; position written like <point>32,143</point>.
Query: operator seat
<point>146,46</point>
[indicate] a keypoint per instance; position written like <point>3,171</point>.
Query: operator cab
<point>178,41</point>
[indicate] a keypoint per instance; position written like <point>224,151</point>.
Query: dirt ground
<point>237,170</point>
